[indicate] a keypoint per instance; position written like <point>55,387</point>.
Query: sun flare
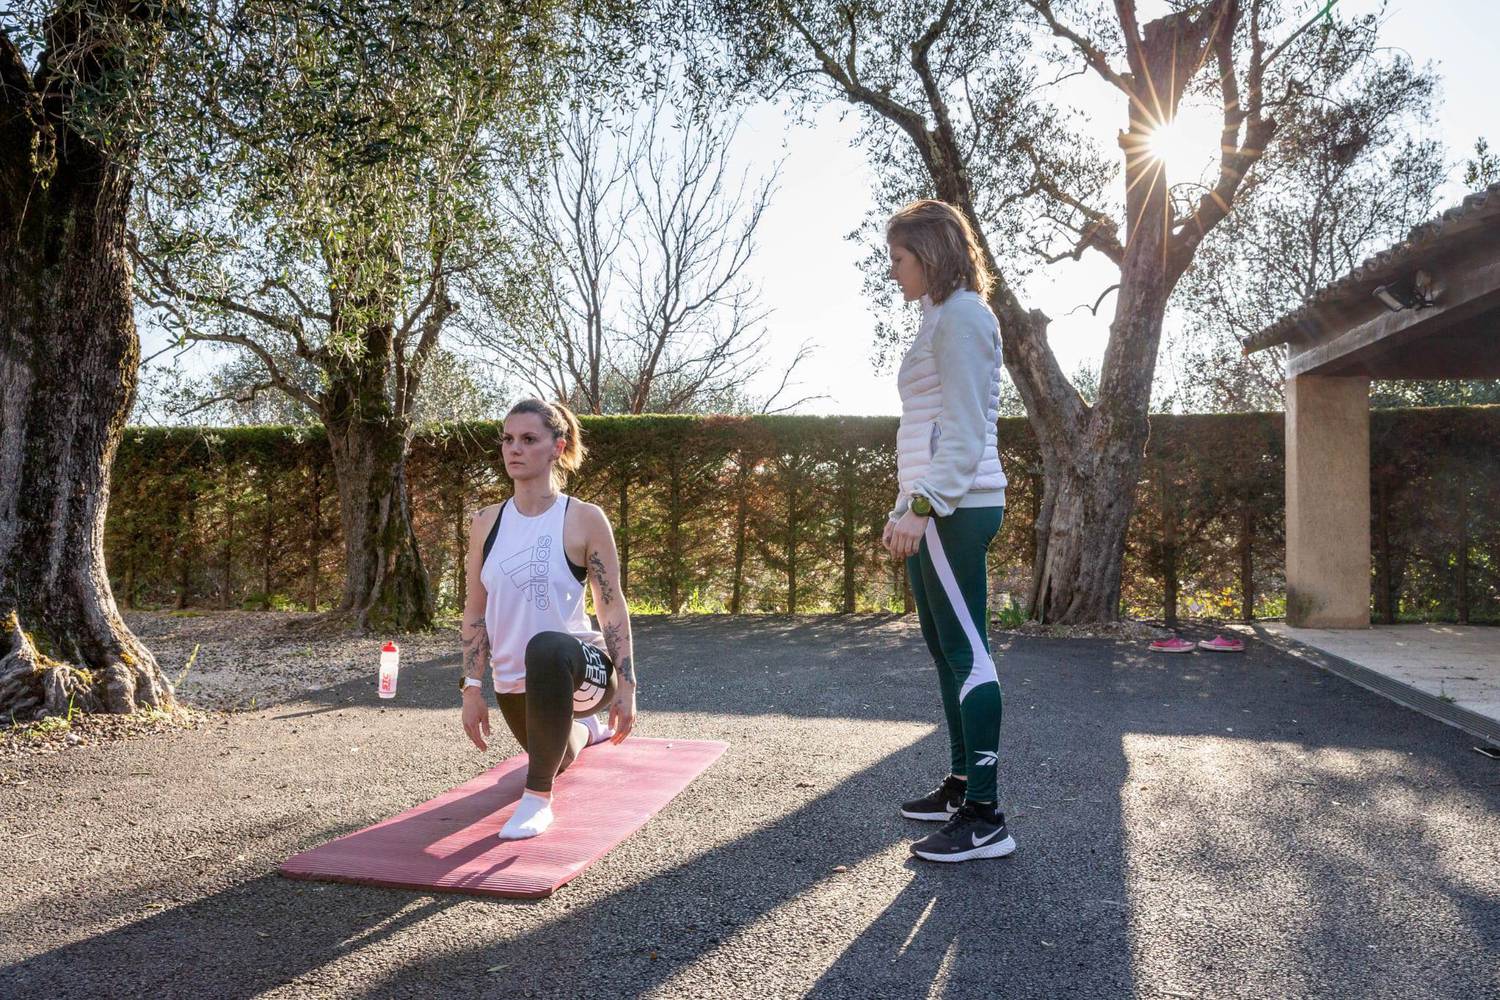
<point>1188,142</point>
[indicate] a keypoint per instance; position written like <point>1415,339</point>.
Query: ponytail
<point>564,426</point>
<point>574,452</point>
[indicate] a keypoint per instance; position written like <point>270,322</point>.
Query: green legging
<point>950,583</point>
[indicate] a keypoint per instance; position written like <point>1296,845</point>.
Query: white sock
<point>598,731</point>
<point>533,815</point>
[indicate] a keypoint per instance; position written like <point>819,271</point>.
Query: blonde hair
<point>942,240</point>
<point>560,420</point>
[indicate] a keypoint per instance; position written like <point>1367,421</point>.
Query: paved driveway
<point>1190,826</point>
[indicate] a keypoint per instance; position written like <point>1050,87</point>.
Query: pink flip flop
<point>1219,644</point>
<point>1176,644</point>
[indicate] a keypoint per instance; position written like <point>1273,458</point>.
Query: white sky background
<point>809,274</point>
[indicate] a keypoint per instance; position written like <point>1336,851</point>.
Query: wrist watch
<point>920,505</point>
<point>465,683</point>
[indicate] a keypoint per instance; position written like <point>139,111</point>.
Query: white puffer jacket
<point>950,397</point>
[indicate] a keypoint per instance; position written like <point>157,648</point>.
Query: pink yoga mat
<point>449,843</point>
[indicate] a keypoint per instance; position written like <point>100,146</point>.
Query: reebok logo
<point>987,758</point>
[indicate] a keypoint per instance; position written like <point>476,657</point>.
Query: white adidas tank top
<point>529,588</point>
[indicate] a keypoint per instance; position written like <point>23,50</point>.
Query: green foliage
<point>1484,169</point>
<point>318,192</point>
<point>770,514</point>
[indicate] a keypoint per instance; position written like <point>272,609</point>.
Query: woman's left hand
<point>622,711</point>
<point>906,536</point>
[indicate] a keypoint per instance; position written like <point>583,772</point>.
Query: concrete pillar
<point>1328,502</point>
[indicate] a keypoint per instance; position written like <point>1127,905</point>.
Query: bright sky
<point>809,272</point>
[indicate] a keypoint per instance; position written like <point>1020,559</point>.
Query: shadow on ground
<point>1189,826</point>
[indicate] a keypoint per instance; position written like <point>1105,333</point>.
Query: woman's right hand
<point>476,717</point>
<point>885,536</point>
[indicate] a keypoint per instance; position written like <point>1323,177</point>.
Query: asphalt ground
<point>1209,825</point>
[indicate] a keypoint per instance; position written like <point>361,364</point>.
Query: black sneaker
<point>938,805</point>
<point>975,831</point>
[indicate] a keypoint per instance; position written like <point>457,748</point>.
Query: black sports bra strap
<point>489,541</point>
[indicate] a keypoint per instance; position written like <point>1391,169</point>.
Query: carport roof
<point>1344,330</point>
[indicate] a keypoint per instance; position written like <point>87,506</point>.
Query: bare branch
<point>1327,11</point>
<point>903,117</point>
<point>1236,157</point>
<point>1099,231</point>
<point>919,61</point>
<point>273,370</point>
<point>245,398</point>
<point>1091,52</point>
<point>307,311</point>
<point>15,80</point>
<point>162,277</point>
<point>414,368</point>
<point>1131,29</point>
<point>1094,309</point>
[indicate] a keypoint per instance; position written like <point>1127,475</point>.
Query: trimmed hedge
<point>783,514</point>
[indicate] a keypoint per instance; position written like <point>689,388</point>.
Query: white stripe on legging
<point>984,667</point>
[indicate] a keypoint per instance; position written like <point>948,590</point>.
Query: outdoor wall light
<point>1415,292</point>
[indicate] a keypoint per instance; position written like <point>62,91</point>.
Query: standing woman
<point>524,619</point>
<point>949,508</point>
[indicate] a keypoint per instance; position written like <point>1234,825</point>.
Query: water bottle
<point>390,666</point>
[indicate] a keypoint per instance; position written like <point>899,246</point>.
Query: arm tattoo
<point>617,644</point>
<point>606,592</point>
<point>476,649</point>
<point>612,636</point>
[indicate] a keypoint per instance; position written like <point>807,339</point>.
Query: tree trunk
<point>267,536</point>
<point>460,537</point>
<point>846,531</point>
<point>1247,562</point>
<point>385,585</point>
<point>674,534</point>
<point>68,359</point>
<point>1092,456</point>
<point>741,523</point>
<point>793,524</point>
<point>1463,551</point>
<point>314,534</point>
<point>622,537</point>
<point>1169,564</point>
<point>188,527</point>
<point>228,578</point>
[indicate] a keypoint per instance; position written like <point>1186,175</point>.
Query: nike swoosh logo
<point>981,841</point>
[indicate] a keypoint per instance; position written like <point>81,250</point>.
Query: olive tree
<point>74,80</point>
<point>960,103</point>
<point>320,212</point>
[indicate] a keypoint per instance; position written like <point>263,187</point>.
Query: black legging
<point>541,717</point>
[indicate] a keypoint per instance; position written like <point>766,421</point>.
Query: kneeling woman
<point>524,618</point>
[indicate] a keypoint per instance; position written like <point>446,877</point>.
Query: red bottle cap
<point>389,647</point>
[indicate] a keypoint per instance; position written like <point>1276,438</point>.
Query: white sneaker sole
<point>941,817</point>
<point>998,849</point>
